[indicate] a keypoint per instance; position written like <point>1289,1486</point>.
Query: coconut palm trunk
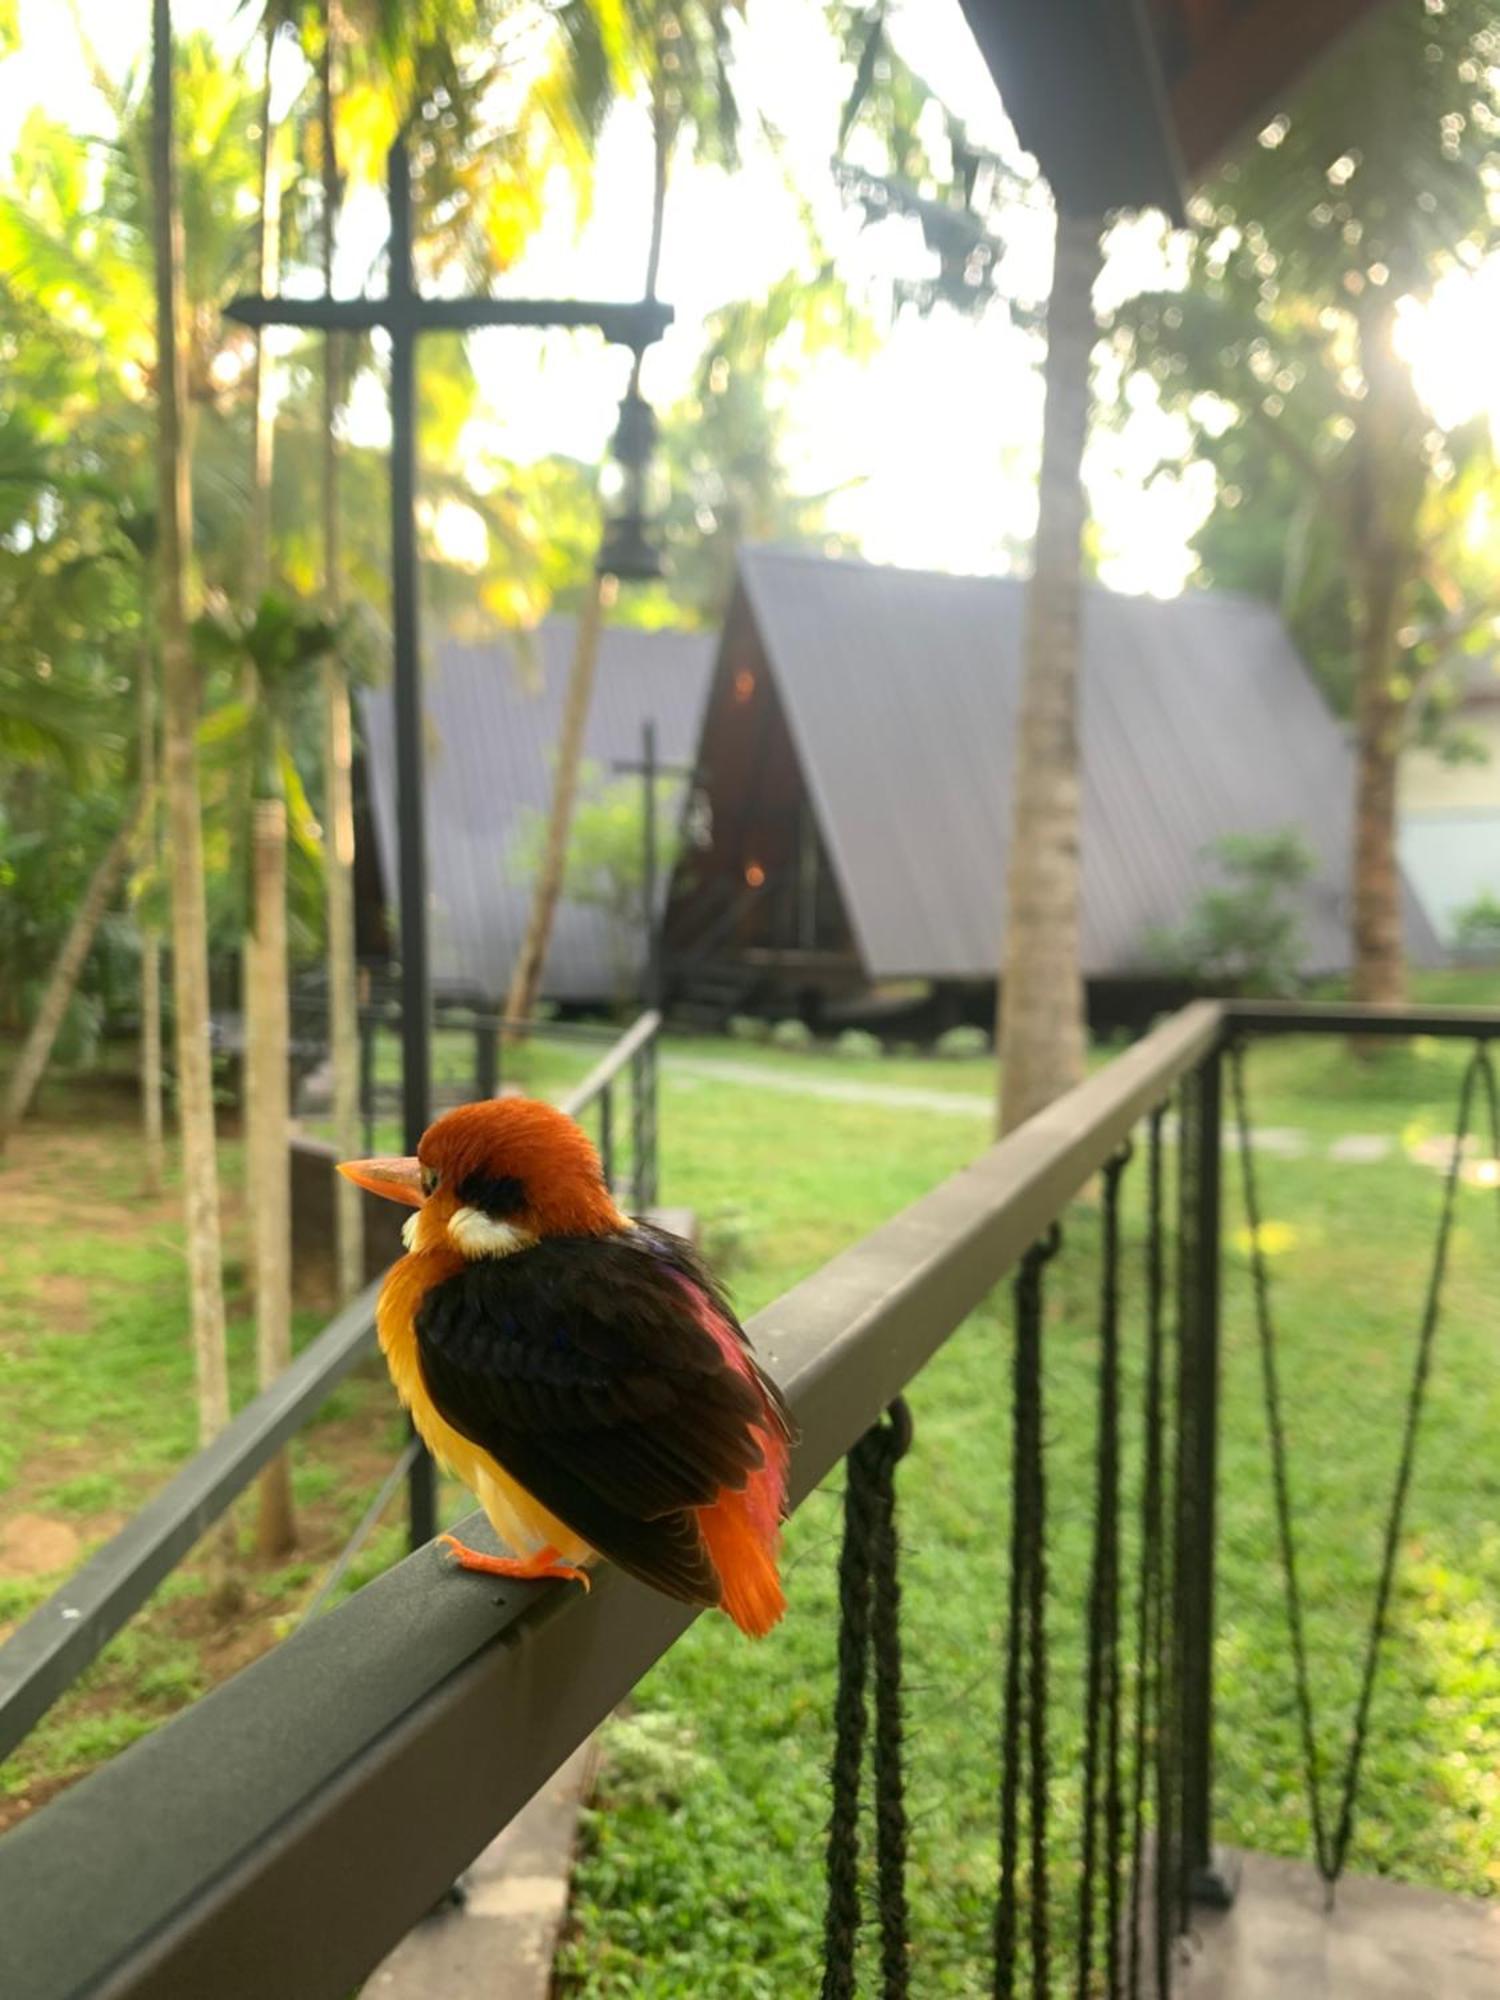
<point>1040,1028</point>
<point>180,758</point>
<point>153,1151</point>
<point>265,969</point>
<point>62,981</point>
<point>338,750</point>
<point>526,979</point>
<point>1379,949</point>
<point>267,1173</point>
<point>1384,506</point>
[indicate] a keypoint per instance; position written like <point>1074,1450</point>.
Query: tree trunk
<point>63,978</point>
<point>267,1027</point>
<point>338,755</point>
<point>262,408</point>
<point>1040,1028</point>
<point>1379,946</point>
<point>153,1152</point>
<point>180,721</point>
<point>267,1180</point>
<point>1384,510</point>
<point>526,980</point>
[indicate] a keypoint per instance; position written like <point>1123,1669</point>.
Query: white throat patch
<point>480,1235</point>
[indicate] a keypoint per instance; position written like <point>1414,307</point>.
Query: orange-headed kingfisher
<point>583,1374</point>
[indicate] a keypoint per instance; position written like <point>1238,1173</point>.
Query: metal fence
<point>59,1640</point>
<point>314,1808</point>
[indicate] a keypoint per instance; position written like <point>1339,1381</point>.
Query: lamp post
<point>404,314</point>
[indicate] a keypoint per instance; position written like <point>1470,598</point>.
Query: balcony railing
<point>284,1832</point>
<point>44,1658</point>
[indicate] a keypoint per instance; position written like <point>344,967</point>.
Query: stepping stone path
<point>1362,1149</point>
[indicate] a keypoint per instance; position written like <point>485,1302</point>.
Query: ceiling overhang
<point>1129,103</point>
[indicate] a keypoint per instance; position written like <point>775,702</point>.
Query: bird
<point>582,1372</point>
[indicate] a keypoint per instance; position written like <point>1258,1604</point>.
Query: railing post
<point>643,1109</point>
<point>1206,1879</point>
<point>367,1033</point>
<point>607,1133</point>
<point>486,1056</point>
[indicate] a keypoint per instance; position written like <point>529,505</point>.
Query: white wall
<point>1450,824</point>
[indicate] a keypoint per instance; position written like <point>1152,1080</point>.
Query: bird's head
<point>495,1177</point>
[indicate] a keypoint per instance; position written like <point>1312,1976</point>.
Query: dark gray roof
<point>492,729</point>
<point>1197,719</point>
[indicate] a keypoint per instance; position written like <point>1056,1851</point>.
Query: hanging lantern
<point>629,551</point>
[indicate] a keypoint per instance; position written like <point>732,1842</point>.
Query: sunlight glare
<point>1451,343</point>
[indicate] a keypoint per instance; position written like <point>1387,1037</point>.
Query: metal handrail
<point>329,1794</point>
<point>46,1654</point>
<point>644,1030</point>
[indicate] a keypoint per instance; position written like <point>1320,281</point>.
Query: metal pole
<point>486,1056</point>
<point>652,968</point>
<point>1205,1878</point>
<point>416,981</point>
<point>607,1134</point>
<point>369,1029</point>
<point>416,986</point>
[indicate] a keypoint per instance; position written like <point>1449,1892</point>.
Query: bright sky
<point>930,449</point>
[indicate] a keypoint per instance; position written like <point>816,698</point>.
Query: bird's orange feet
<point>521,1569</point>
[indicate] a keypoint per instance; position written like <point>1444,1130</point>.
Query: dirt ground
<point>93,1268</point>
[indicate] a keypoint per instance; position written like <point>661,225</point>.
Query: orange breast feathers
<point>742,1530</point>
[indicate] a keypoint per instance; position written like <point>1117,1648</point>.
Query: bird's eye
<point>429,1180</point>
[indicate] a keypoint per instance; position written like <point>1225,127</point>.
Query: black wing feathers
<point>580,1368</point>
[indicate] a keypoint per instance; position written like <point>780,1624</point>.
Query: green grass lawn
<point>701,1867</point>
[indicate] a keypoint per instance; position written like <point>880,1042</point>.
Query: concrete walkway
<point>499,1944</point>
<point>1380,1941</point>
<point>1286,1142</point>
<point>833,1090</point>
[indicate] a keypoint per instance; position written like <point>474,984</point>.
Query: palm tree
<point>180,721</point>
<point>153,1150</point>
<point>1040,1027</point>
<point>63,978</point>
<point>338,736</point>
<point>682,50</point>
<point>272,656</point>
<point>1371,186</point>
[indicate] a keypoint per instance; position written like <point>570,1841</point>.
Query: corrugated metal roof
<point>1197,719</point>
<point>492,732</point>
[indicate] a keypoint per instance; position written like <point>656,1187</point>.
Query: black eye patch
<point>494,1194</point>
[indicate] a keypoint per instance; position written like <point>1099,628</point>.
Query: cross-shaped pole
<point>405,313</point>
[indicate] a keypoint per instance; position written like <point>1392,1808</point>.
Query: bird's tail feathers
<point>745,1558</point>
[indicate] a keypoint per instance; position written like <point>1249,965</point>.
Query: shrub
<point>957,1044</point>
<point>792,1034</point>
<point>748,1028</point>
<point>726,1237</point>
<point>1244,936</point>
<point>859,1045</point>
<point>1476,928</point>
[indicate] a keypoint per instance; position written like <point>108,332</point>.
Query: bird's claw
<point>536,1568</point>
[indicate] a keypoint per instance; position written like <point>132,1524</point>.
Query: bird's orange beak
<point>397,1180</point>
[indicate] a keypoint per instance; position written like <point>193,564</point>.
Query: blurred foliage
<point>606,868</point>
<point>506,104</point>
<point>1244,936</point>
<point>1476,928</point>
<point>1282,349</point>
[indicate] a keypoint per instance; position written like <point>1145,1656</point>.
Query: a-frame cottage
<point>856,765</point>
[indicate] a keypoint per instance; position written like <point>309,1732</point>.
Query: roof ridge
<point>756,553</point>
